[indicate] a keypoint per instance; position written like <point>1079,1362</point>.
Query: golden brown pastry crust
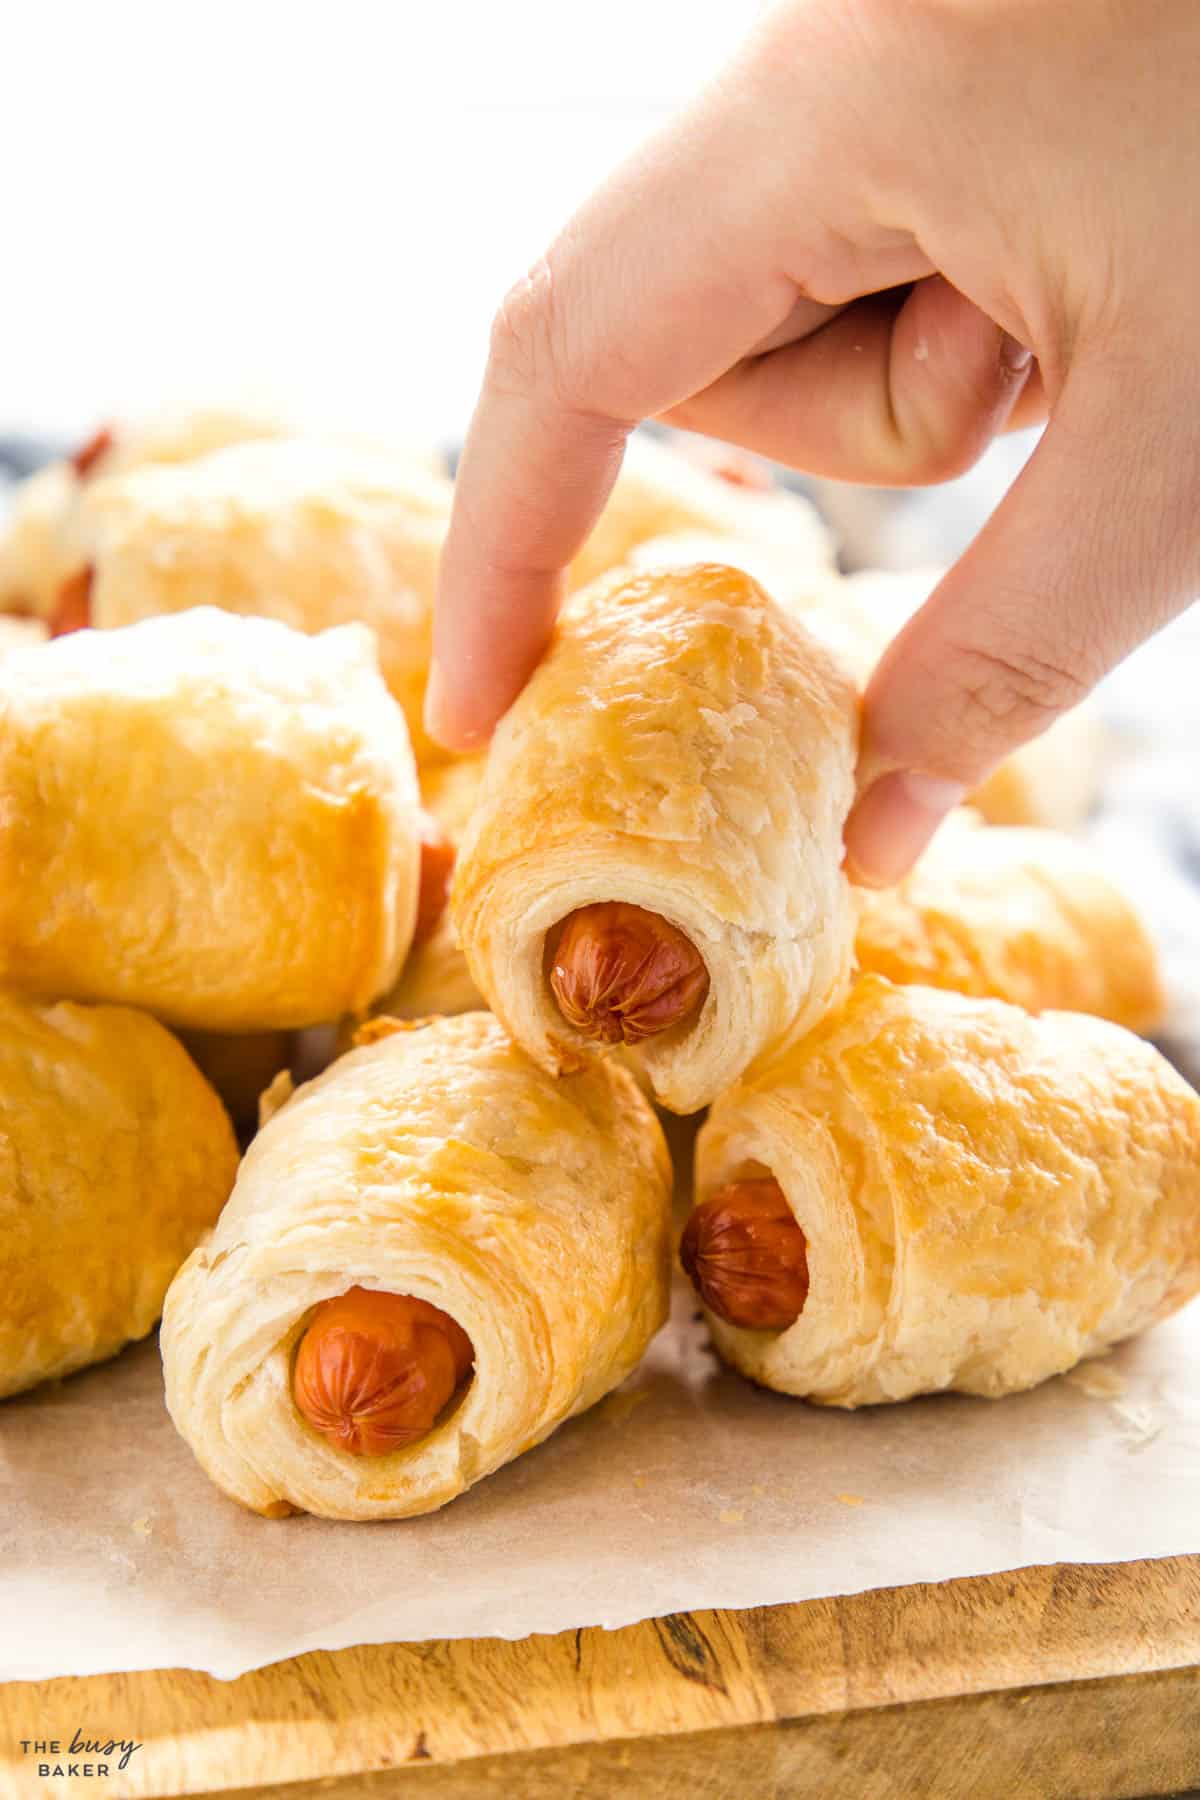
<point>987,1197</point>
<point>436,1162</point>
<point>1019,914</point>
<point>312,532</point>
<point>687,748</point>
<point>213,818</point>
<point>45,540</point>
<point>660,493</point>
<point>115,1157</point>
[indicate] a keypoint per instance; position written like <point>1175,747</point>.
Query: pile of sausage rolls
<point>349,1058</point>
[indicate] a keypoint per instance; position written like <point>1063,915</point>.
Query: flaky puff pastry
<point>115,1157</point>
<point>661,493</point>
<point>435,977</point>
<point>685,748</point>
<point>987,1197</point>
<point>439,1163</point>
<point>314,533</point>
<point>1053,780</point>
<point>44,542</point>
<point>1023,915</point>
<point>213,818</point>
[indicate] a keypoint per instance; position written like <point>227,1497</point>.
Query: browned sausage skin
<point>73,603</point>
<point>621,974</point>
<point>88,455</point>
<point>437,867</point>
<point>373,1371</point>
<point>746,1256</point>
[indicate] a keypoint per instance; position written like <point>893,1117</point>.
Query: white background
<point>318,204</point>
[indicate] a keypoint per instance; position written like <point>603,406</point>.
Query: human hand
<point>1032,166</point>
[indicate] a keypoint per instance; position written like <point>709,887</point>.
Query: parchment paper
<point>687,1488</point>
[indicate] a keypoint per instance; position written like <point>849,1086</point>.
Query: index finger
<point>661,282</point>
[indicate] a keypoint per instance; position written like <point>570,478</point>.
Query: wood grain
<point>1083,1742</point>
<point>1097,1659</point>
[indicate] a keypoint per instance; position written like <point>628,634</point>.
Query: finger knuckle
<point>1019,690</point>
<point>522,353</point>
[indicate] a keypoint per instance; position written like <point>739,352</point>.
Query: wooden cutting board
<point>1075,1681</point>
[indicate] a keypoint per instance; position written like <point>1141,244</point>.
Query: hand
<point>1031,167</point>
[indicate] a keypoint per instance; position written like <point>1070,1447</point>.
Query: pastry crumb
<point>849,1499</point>
<point>1096,1381</point>
<point>617,1408</point>
<point>731,1516</point>
<point>143,1527</point>
<point>276,1097</point>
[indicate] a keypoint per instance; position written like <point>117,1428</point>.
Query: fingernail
<point>435,703</point>
<point>1013,355</point>
<point>892,823</point>
<point>440,720</point>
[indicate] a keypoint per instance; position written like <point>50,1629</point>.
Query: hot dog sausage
<point>373,1371</point>
<point>73,603</point>
<point>747,1257</point>
<point>89,454</point>
<point>437,867</point>
<point>620,973</point>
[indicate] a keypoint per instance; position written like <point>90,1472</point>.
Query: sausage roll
<point>661,492</point>
<point>656,854</point>
<point>939,1192</point>
<point>1053,780</point>
<point>115,1157</point>
<point>44,547</point>
<point>1023,915</point>
<point>314,533</point>
<point>435,977</point>
<point>435,1253</point>
<point>212,818</point>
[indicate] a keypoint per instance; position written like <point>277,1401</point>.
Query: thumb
<point>1094,548</point>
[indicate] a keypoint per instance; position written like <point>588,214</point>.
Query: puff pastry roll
<point>44,543</point>
<point>435,977</point>
<point>212,818</point>
<point>435,1253</point>
<point>939,1192</point>
<point>115,1158</point>
<point>661,493</point>
<point>313,533</point>
<point>656,854</point>
<point>1020,914</point>
<point>1053,780</point>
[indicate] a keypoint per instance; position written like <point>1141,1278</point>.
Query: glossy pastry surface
<point>1017,913</point>
<point>312,532</point>
<point>44,540</point>
<point>985,1197</point>
<point>213,818</point>
<point>436,1164</point>
<point>115,1158</point>
<point>662,493</point>
<point>685,752</point>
